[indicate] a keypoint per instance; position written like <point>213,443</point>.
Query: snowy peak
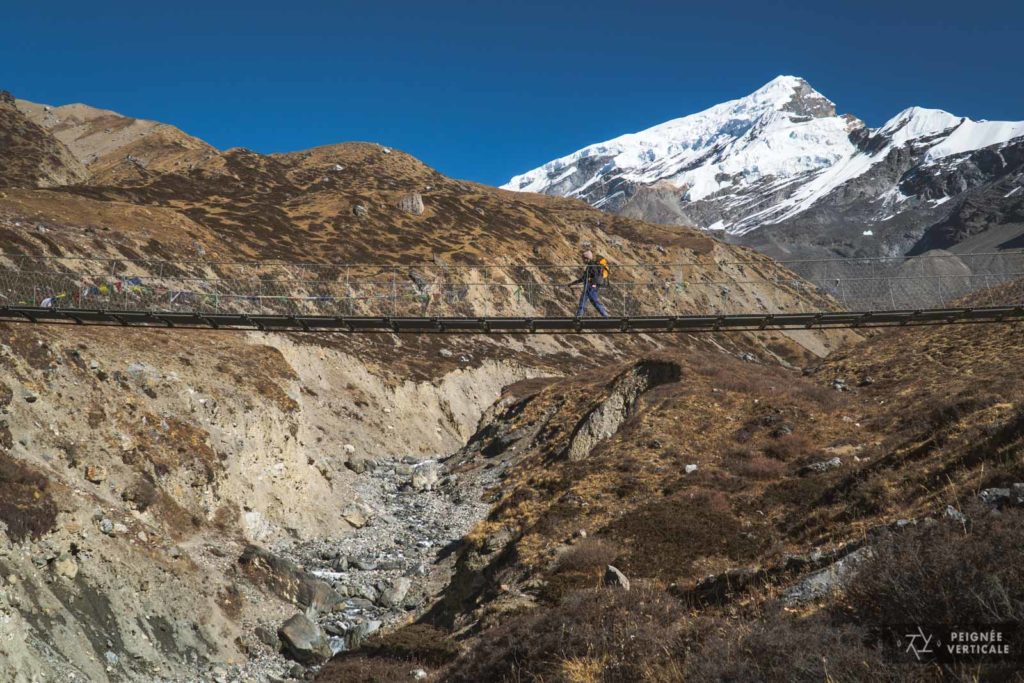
<point>794,95</point>
<point>916,123</point>
<point>782,129</point>
<point>783,155</point>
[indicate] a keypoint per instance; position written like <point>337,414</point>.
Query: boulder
<point>615,578</point>
<point>955,515</point>
<point>357,515</point>
<point>303,641</point>
<point>818,467</point>
<point>360,463</point>
<point>394,595</point>
<point>995,496</point>
<point>95,474</point>
<point>1002,497</point>
<point>825,582</point>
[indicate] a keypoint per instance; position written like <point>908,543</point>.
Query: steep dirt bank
<point>135,469</point>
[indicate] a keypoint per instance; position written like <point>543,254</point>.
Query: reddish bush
<point>753,466</point>
<point>631,633</point>
<point>26,507</point>
<point>785,650</point>
<point>944,573</point>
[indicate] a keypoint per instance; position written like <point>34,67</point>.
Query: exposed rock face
<point>286,580</point>
<point>780,171</point>
<point>607,417</point>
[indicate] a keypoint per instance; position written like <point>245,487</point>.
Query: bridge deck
<point>512,325</point>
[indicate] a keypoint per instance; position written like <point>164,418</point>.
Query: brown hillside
<point>595,473</point>
<point>117,149</point>
<point>29,157</point>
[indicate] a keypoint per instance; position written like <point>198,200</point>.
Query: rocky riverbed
<point>406,522</point>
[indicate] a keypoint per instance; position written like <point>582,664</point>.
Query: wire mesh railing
<point>754,286</point>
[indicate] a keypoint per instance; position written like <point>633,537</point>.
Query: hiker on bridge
<point>594,276</point>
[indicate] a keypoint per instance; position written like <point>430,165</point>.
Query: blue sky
<point>484,90</point>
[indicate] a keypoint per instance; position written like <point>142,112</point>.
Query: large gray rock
<point>819,467</point>
<point>269,638</point>
<point>824,582</point>
<point>394,595</point>
<point>1001,497</point>
<point>359,464</point>
<point>356,515</point>
<point>303,641</point>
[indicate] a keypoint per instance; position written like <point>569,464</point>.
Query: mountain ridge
<point>766,162</point>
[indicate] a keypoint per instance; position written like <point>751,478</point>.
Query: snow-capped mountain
<point>780,170</point>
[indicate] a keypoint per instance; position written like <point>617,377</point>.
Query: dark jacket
<point>593,273</point>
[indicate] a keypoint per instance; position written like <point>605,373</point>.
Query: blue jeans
<point>590,292</point>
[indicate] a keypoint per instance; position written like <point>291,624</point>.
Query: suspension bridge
<point>755,294</point>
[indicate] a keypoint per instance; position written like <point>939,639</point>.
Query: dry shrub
<point>632,633</point>
<point>142,494</point>
<point>358,668</point>
<point>789,447</point>
<point>768,380</point>
<point>666,537</point>
<point>581,566</point>
<point>753,465</point>
<point>867,497</point>
<point>418,643</point>
<point>587,555</point>
<point>391,656</point>
<point>786,650</point>
<point>944,573</point>
<point>26,507</point>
